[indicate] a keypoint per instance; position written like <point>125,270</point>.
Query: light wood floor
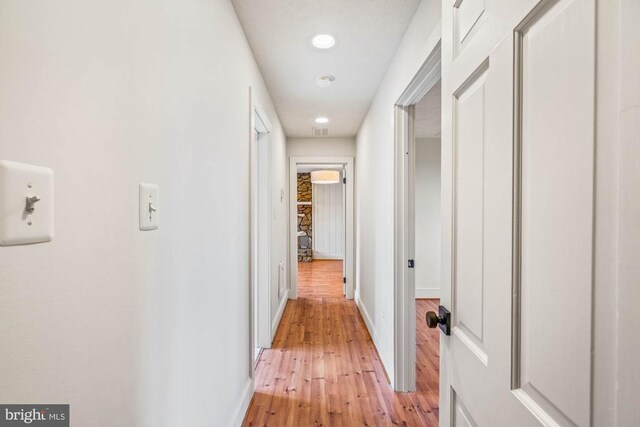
<point>323,370</point>
<point>320,278</point>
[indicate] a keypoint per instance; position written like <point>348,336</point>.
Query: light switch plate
<point>149,207</point>
<point>22,222</point>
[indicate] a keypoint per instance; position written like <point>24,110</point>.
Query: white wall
<point>321,147</point>
<point>132,328</point>
<point>428,218</point>
<point>375,177</point>
<point>328,221</point>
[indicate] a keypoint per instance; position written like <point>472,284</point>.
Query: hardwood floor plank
<point>320,278</point>
<point>323,369</point>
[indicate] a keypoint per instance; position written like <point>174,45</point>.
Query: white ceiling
<point>280,32</point>
<point>427,114</point>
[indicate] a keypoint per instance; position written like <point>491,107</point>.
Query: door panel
<point>468,304</point>
<point>518,153</point>
<point>466,16</point>
<point>556,203</point>
<point>461,417</point>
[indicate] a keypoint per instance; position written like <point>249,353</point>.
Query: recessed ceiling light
<point>322,120</point>
<point>325,81</point>
<point>323,41</point>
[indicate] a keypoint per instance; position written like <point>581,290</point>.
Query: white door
<point>518,181</point>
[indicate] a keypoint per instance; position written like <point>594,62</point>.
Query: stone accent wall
<point>305,188</point>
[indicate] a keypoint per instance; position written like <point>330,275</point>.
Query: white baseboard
<point>367,320</point>
<point>317,255</point>
<point>276,320</point>
<point>374,335</point>
<point>243,405</point>
<point>427,293</point>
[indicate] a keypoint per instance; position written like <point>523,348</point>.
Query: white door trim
<point>404,222</point>
<point>259,231</point>
<point>349,254</point>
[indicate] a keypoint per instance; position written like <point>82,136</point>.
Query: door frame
<point>259,231</point>
<point>404,345</point>
<point>349,250</point>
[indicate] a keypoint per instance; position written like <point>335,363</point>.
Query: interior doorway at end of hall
<point>321,231</point>
<point>332,201</point>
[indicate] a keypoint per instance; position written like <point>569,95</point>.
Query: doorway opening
<point>418,235</point>
<point>321,215</point>
<point>321,227</point>
<point>427,232</point>
<point>260,289</point>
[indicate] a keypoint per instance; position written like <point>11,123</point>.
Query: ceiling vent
<point>320,131</point>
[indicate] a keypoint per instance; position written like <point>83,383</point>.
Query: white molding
<point>426,77</point>
<point>257,108</point>
<point>404,290</point>
<point>293,218</point>
<point>260,303</point>
<point>427,293</point>
<point>368,322</point>
<point>243,405</point>
<point>320,255</point>
<point>278,317</point>
<point>362,308</point>
<point>404,337</point>
<point>249,234</point>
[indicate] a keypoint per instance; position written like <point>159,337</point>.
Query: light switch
<point>26,204</point>
<point>149,207</point>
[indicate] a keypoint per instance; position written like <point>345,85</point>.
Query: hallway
<point>323,368</point>
<point>250,213</point>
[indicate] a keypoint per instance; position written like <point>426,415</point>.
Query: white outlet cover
<point>149,207</point>
<point>18,181</point>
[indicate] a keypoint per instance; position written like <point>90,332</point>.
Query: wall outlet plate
<point>22,221</point>
<point>149,206</point>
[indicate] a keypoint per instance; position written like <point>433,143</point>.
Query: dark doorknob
<point>443,319</point>
<point>433,320</point>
